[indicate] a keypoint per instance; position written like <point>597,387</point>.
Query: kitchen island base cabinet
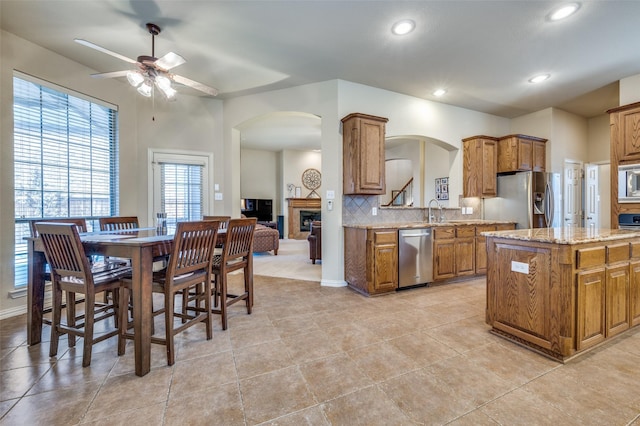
<point>562,293</point>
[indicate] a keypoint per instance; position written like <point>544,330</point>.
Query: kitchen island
<point>562,291</point>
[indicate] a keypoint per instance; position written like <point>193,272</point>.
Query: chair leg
<point>248,288</point>
<point>123,321</point>
<point>223,300</point>
<point>56,314</point>
<point>71,316</point>
<point>207,309</point>
<point>89,307</point>
<point>168,324</point>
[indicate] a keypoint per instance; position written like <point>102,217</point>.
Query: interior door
<point>591,197</point>
<point>572,194</point>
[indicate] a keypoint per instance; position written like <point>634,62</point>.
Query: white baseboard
<point>13,312</point>
<point>333,283</point>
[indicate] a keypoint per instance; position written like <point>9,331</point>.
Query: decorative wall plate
<point>311,179</point>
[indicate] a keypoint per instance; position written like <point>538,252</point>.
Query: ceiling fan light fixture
<point>403,27</point>
<point>163,82</point>
<point>145,89</point>
<point>539,78</point>
<point>169,93</point>
<point>135,78</point>
<point>563,11</point>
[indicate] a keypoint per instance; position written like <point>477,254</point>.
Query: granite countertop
<point>408,225</point>
<point>564,235</point>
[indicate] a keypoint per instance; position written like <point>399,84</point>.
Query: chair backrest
<point>222,219</point>
<point>118,223</point>
<point>193,247</point>
<point>65,253</point>
<point>238,243</point>
<point>79,222</point>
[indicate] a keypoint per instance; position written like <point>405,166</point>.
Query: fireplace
<point>306,217</point>
<point>296,223</point>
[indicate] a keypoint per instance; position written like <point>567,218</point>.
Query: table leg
<point>35,293</point>
<point>141,265</point>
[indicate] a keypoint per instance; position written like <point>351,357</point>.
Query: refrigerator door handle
<point>548,205</point>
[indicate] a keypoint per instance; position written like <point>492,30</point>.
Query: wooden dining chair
<point>118,223</point>
<point>224,220</point>
<point>190,265</point>
<point>237,254</point>
<point>71,273</point>
<point>80,222</point>
<point>81,225</point>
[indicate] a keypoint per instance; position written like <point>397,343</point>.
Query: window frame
<point>69,140</point>
<point>157,156</point>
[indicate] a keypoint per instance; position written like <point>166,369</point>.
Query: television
<point>262,209</point>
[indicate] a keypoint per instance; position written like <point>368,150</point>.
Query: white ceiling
<point>483,52</point>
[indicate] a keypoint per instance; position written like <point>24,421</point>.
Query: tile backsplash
<point>357,210</point>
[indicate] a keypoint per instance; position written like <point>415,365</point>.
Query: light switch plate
<point>218,196</point>
<point>331,194</point>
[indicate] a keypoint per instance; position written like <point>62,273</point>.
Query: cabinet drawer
<point>385,237</point>
<point>443,233</point>
<point>635,250</point>
<point>505,227</point>
<point>589,257</point>
<point>617,253</point>
<point>484,228</point>
<point>465,231</point>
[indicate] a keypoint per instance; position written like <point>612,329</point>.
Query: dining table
<point>141,246</point>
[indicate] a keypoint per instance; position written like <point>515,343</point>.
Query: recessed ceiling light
<point>439,92</point>
<point>403,27</point>
<point>539,78</point>
<point>564,11</point>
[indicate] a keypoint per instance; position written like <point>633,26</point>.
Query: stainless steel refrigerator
<point>531,199</point>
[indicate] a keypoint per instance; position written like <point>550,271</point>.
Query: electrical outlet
<point>374,211</point>
<point>469,210</point>
<point>218,196</point>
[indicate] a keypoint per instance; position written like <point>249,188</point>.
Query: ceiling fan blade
<point>103,50</point>
<point>168,61</point>
<point>113,74</point>
<point>195,85</point>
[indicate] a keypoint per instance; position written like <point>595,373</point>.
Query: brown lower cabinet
<point>371,255</point>
<point>371,259</point>
<point>562,299</point>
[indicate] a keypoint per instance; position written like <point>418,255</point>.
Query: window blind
<point>181,192</point>
<point>65,160</point>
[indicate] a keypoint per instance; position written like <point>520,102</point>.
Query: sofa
<point>266,239</point>
<point>315,241</point>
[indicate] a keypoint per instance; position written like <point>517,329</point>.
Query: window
<point>181,183</point>
<point>65,159</point>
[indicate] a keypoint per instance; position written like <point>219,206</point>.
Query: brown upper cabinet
<point>625,131</point>
<point>480,158</point>
<point>521,153</point>
<point>363,154</point>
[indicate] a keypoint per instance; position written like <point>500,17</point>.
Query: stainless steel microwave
<point>629,183</point>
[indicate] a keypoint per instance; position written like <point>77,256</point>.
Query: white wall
<point>630,90</point>
<point>258,174</point>
<point>598,139</point>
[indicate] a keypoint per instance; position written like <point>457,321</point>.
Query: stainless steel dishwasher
<point>415,257</point>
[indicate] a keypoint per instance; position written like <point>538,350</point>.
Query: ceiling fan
<point>151,70</point>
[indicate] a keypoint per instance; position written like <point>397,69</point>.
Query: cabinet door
<point>444,265</point>
<point>489,168</point>
<point>627,124</point>
<point>465,256</point>
<point>372,157</point>
<point>481,248</point>
<point>525,154</point>
<point>539,156</point>
<point>385,268</point>
<point>384,262</point>
<point>591,306</point>
<point>616,292</point>
<point>634,294</point>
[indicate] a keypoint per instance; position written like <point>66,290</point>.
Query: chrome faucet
<point>431,216</point>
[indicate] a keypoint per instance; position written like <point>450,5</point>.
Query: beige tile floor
<point>326,356</point>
